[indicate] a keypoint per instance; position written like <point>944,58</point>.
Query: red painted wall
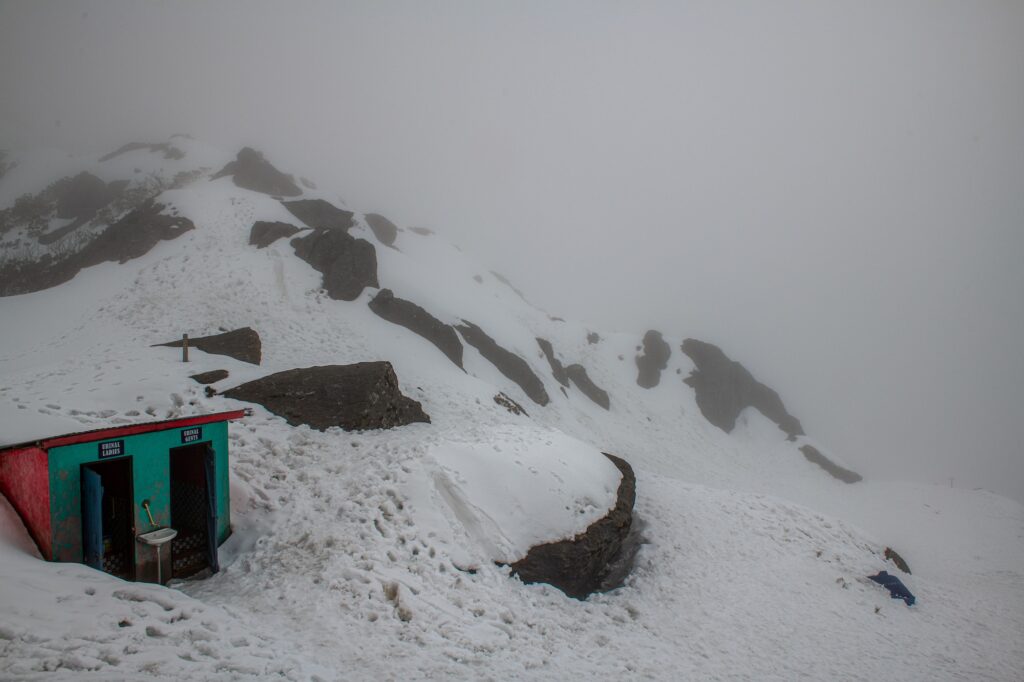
<point>25,482</point>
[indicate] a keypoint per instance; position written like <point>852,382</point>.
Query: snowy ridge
<point>372,555</point>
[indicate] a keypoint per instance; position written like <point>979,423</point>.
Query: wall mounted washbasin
<point>158,537</point>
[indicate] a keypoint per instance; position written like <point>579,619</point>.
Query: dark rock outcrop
<point>725,388</point>
<point>354,397</point>
<point>579,566</point>
<point>417,320</point>
<point>557,369</point>
<point>508,363</point>
<point>131,237</point>
<point>263,233</point>
<point>814,455</point>
<point>320,214</point>
<point>211,377</point>
<point>423,231</point>
<point>348,265</point>
<point>578,375</point>
<point>383,229</point>
<point>593,337</point>
<point>510,405</point>
<point>653,361</point>
<point>251,171</point>
<point>241,344</point>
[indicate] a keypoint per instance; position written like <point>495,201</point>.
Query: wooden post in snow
<point>184,347</point>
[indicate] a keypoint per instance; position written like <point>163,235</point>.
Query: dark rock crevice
<point>354,397</point>
<point>584,564</point>
<point>241,344</point>
<point>725,388</point>
<point>509,364</point>
<point>348,265</point>
<point>417,320</point>
<point>654,359</point>
<point>170,152</point>
<point>843,474</point>
<point>251,171</point>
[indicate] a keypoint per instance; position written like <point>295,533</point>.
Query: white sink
<point>158,537</point>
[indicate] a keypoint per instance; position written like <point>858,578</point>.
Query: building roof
<point>122,430</point>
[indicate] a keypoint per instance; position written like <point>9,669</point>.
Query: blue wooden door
<point>92,518</point>
<point>211,510</point>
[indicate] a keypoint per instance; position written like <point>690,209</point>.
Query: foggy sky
<point>832,192</point>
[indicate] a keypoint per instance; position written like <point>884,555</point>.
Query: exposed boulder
<point>383,229</point>
<point>320,214</point>
<point>843,474</point>
<point>510,405</point>
<point>725,388</point>
<point>557,369</point>
<point>593,337</point>
<point>578,375</point>
<point>348,265</point>
<point>414,318</point>
<point>251,171</point>
<point>508,363</point>
<point>263,233</point>
<point>241,344</point>
<point>653,361</point>
<point>355,397</point>
<point>131,237</point>
<point>422,231</point>
<point>580,565</point>
<point>211,377</point>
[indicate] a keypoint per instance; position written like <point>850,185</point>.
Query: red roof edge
<point>133,429</point>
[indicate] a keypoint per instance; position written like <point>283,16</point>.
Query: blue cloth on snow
<point>895,586</point>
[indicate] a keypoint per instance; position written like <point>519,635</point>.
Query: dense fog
<point>832,193</point>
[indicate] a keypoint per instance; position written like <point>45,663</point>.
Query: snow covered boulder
<point>579,566</point>
<point>355,397</point>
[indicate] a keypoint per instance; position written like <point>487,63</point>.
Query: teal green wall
<point>150,453</point>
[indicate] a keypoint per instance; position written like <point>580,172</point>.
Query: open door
<point>193,510</point>
<point>108,527</point>
<point>210,469</point>
<point>92,518</point>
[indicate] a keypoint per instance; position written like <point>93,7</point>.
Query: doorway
<point>108,522</point>
<point>193,510</point>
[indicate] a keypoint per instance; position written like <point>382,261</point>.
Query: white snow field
<point>372,555</point>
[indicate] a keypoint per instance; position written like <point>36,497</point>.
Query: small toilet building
<point>145,502</point>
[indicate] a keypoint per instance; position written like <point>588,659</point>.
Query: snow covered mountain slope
<point>372,555</point>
